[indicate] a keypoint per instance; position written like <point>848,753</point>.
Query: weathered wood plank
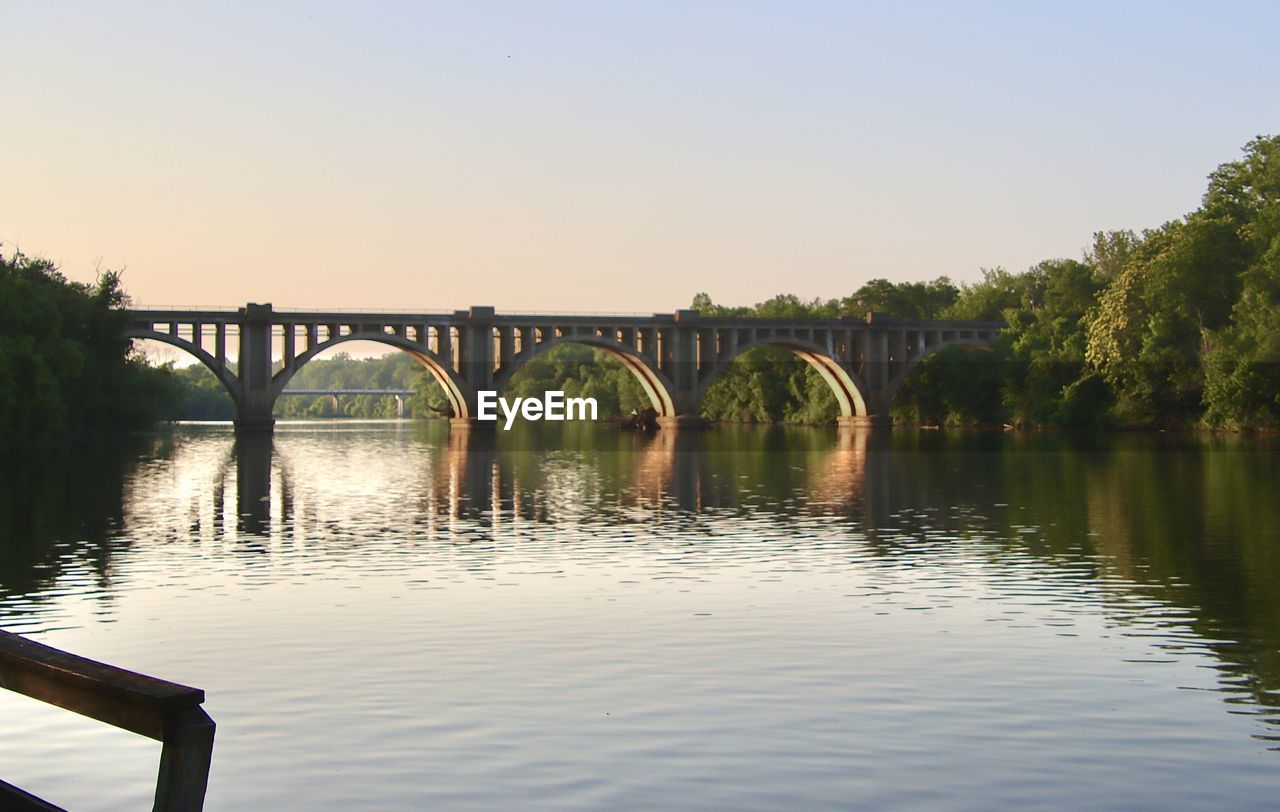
<point>184,761</point>
<point>104,692</point>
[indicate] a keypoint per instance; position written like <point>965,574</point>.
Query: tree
<point>65,367</point>
<point>987,300</point>
<point>1178,294</point>
<point>1110,252</point>
<point>581,371</point>
<point>1242,360</point>
<point>906,300</point>
<point>1045,347</point>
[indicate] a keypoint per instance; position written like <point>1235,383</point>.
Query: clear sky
<point>606,156</point>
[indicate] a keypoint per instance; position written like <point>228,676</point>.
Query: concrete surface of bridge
<point>675,356</point>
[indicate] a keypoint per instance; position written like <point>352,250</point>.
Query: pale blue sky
<point>593,156</point>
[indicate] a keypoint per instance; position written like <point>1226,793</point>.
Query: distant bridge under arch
<point>675,356</point>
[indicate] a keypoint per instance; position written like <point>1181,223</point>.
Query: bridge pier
<point>865,421</point>
<point>255,425</point>
<point>256,401</point>
<point>252,452</point>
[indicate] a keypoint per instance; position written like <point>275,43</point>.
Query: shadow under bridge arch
<point>461,398</point>
<point>218,366</point>
<point>848,389</point>
<point>657,387</point>
<point>896,381</point>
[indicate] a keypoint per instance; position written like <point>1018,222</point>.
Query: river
<point>384,615</point>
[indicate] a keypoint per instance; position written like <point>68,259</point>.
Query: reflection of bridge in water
<point>676,357</point>
<point>1128,527</point>
<point>474,479</point>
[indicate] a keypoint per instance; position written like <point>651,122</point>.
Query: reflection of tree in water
<point>60,509</point>
<point>1177,532</point>
<point>1180,534</point>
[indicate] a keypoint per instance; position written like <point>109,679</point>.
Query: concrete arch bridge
<point>255,350</point>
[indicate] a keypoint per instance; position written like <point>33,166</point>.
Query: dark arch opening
<point>455,390</point>
<point>781,380</point>
<point>952,383</point>
<point>208,390</point>
<point>621,380</point>
<point>367,380</point>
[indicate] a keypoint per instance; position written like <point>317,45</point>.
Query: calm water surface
<point>388,617</point>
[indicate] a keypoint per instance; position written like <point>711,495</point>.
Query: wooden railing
<point>151,707</point>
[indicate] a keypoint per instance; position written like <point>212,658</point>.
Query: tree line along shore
<point>1175,327</point>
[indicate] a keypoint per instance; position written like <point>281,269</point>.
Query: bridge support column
<point>477,369</point>
<point>865,421</point>
<point>877,378</point>
<point>253,412</point>
<point>683,373</point>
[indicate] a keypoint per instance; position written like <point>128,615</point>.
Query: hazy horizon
<point>578,157</point>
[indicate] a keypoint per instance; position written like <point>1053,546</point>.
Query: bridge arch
<point>850,392</point>
<point>225,376</point>
<point>895,382</point>
<point>657,387</point>
<point>461,398</point>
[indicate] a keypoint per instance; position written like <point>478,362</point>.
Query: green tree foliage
<point>65,369</point>
<point>770,385</point>
<point>396,370</point>
<point>1190,301</point>
<point>987,300</point>
<point>955,386</point>
<point>905,300</point>
<point>1110,251</point>
<point>581,371</point>
<point>202,395</point>
<point>1174,327</point>
<point>1177,327</point>
<point>1035,373</point>
<point>1046,378</point>
<point>1242,361</point>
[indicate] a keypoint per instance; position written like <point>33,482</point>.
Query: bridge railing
<point>155,708</point>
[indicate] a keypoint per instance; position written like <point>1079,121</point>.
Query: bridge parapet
<point>675,356</point>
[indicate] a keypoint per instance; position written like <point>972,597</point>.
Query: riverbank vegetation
<point>203,397</point>
<point>1174,327</point>
<point>65,368</point>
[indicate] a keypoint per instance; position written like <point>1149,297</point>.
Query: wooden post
<point>184,761</point>
<point>145,705</point>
